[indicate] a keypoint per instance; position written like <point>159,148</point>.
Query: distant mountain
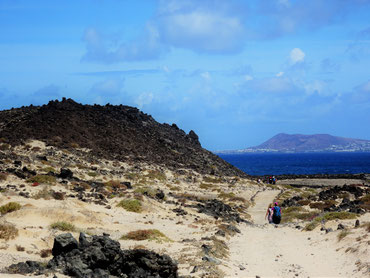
<point>299,143</point>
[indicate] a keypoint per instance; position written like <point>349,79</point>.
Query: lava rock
<point>26,268</point>
<point>65,174</point>
<point>64,243</point>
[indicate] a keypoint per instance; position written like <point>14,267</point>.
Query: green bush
<point>63,226</point>
<point>130,205</point>
<point>9,207</point>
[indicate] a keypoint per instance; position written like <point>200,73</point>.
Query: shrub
<point>8,231</point>
<point>9,207</point>
<point>63,226</point>
<point>323,205</point>
<point>328,217</point>
<point>44,253</point>
<point>42,179</point>
<point>92,174</point>
<point>311,226</point>
<point>131,205</point>
<point>151,234</point>
<point>365,202</point>
<point>146,191</point>
<point>291,213</point>
<point>3,176</point>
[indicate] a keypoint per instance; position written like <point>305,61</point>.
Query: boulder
<point>64,243</point>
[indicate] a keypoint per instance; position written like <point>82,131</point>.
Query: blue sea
<point>300,163</point>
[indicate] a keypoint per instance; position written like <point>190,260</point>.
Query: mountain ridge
<point>300,143</point>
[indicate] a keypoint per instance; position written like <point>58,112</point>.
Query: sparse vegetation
<point>151,234</point>
<point>44,193</point>
<point>42,179</point>
<point>63,226</point>
<point>49,169</point>
<point>206,186</point>
<point>8,231</point>
<point>328,217</point>
<point>131,205</point>
<point>212,179</point>
<point>92,174</point>
<point>292,213</point>
<point>343,234</point>
<point>146,190</point>
<point>156,174</point>
<point>10,207</point>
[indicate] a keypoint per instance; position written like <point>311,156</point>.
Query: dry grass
<point>151,234</point>
<point>343,234</point>
<point>44,193</point>
<point>328,217</point>
<point>156,175</point>
<point>297,213</point>
<point>10,207</point>
<point>132,205</point>
<point>42,179</point>
<point>212,179</point>
<point>63,226</point>
<point>8,231</point>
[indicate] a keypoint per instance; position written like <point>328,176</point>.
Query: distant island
<point>299,143</point>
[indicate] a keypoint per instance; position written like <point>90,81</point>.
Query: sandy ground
<point>266,250</point>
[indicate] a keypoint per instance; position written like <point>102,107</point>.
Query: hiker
<point>276,216</point>
<point>269,213</point>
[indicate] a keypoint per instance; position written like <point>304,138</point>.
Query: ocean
<point>258,164</point>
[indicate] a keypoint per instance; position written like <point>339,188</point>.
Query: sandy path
<point>265,251</point>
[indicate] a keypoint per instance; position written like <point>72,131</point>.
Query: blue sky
<point>236,72</point>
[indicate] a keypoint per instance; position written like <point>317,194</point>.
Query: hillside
<point>112,132</point>
<point>309,143</point>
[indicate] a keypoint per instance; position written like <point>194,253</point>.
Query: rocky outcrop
<point>99,257</point>
<point>112,132</point>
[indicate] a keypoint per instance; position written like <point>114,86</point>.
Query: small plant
<point>131,205</point>
<point>42,179</point>
<point>146,191</point>
<point>343,234</point>
<point>19,248</point>
<point>8,231</point>
<point>63,226</point>
<point>44,253</point>
<point>92,174</point>
<point>10,207</point>
<point>151,234</point>
<point>3,176</point>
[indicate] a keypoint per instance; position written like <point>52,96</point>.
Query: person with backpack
<point>276,215</point>
<point>269,213</point>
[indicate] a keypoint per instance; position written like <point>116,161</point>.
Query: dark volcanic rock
<point>218,209</point>
<point>65,174</point>
<point>100,256</point>
<point>26,268</point>
<point>112,132</point>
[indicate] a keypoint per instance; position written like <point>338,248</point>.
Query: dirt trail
<point>267,250</point>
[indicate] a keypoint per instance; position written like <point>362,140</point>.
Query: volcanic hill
<point>112,132</point>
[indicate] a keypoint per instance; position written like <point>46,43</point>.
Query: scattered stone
<point>220,233</point>
<point>241,267</point>
<point>340,226</point>
<point>26,268</point>
<point>328,230</point>
<point>357,223</point>
<point>179,211</point>
<point>195,269</point>
<point>211,260</point>
<point>65,174</point>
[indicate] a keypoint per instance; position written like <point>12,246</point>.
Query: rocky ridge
<point>112,132</point>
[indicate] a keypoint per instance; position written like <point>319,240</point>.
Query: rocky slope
<point>112,132</point>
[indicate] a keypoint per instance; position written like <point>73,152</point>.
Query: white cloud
<point>206,75</point>
<point>248,77</point>
<point>144,99</point>
<point>296,56</point>
<point>280,74</point>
